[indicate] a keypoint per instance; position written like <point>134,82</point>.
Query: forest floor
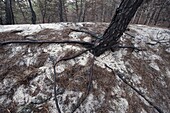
<point>26,70</point>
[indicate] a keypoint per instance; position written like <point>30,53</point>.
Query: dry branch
<point>44,42</point>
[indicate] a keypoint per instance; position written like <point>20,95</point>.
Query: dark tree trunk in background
<point>151,17</point>
<point>21,11</point>
<point>43,9</point>
<point>84,11</point>
<point>65,11</point>
<point>9,12</point>
<point>33,18</point>
<point>159,12</point>
<point>117,27</point>
<point>77,9</point>
<point>1,22</point>
<point>81,11</point>
<point>61,11</point>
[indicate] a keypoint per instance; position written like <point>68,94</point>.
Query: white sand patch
<point>154,66</point>
<point>122,105</point>
<point>87,39</point>
<point>136,79</point>
<point>29,29</point>
<point>117,91</point>
<point>21,97</point>
<point>113,60</point>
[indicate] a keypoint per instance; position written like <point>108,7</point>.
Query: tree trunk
<point>33,18</point>
<point>117,27</point>
<point>65,11</point>
<point>81,11</point>
<point>84,11</point>
<point>77,9</point>
<point>20,8</point>
<point>159,12</point>
<point>43,9</point>
<point>61,11</point>
<point>1,22</point>
<point>151,17</point>
<point>9,12</point>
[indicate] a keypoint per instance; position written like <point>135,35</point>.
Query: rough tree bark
<point>33,18</point>
<point>118,25</point>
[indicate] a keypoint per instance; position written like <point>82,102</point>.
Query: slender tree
<point>84,11</point>
<point>61,11</point>
<point>33,15</point>
<point>1,22</point>
<point>21,10</point>
<point>43,9</point>
<point>9,12</point>
<point>159,12</point>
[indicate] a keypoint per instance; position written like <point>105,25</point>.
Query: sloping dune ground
<point>27,75</point>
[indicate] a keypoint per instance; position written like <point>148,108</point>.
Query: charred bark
<point>117,27</point>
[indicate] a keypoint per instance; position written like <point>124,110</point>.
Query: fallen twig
<point>44,42</point>
<point>55,91</point>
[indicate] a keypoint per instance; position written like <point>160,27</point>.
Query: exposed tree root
<point>44,42</point>
<point>89,87</point>
<point>55,74</point>
<point>55,91</point>
<point>120,75</point>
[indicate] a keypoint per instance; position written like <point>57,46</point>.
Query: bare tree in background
<point>61,11</point>
<point>1,12</point>
<point>151,12</point>
<point>9,12</point>
<point>21,10</point>
<point>159,12</point>
<point>43,9</point>
<point>84,11</point>
<point>1,22</point>
<point>33,18</point>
